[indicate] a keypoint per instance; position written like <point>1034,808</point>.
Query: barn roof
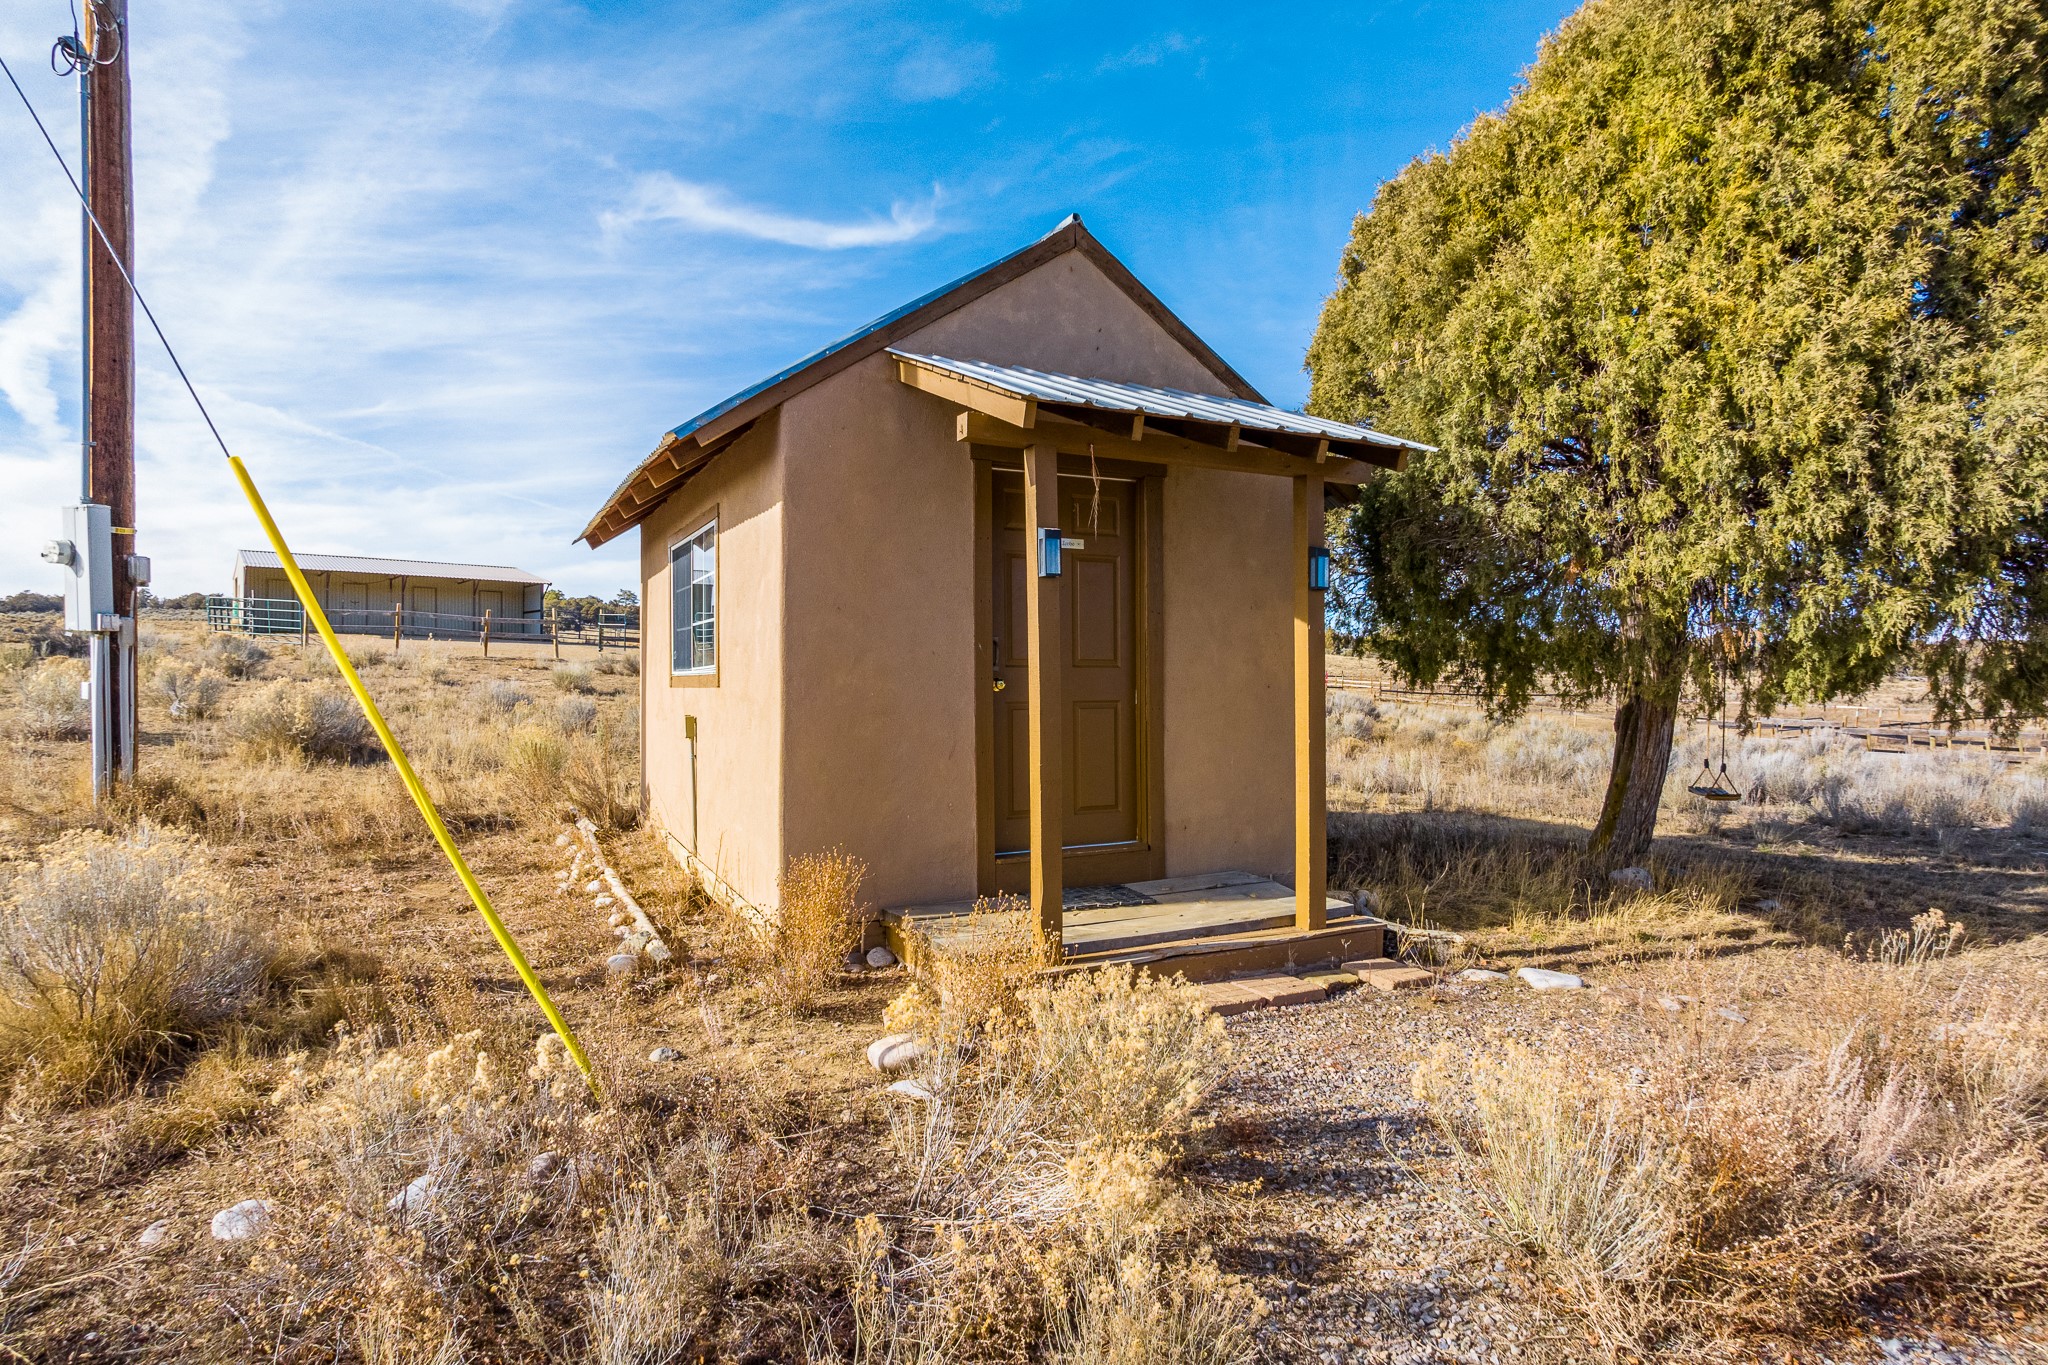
<point>687,448</point>
<point>391,568</point>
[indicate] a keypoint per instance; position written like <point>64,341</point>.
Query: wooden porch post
<point>1311,795</point>
<point>1048,738</point>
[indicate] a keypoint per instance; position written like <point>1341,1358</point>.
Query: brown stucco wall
<point>1229,673</point>
<point>739,812</point>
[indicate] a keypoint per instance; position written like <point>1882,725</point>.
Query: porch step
<point>1386,974</point>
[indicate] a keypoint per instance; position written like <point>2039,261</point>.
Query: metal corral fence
<point>284,616</point>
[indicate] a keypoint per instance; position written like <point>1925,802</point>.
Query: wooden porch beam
<point>1004,407</point>
<point>1048,733</point>
<point>1311,793</point>
<point>1156,448</point>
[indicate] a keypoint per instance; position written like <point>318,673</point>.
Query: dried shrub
<point>570,678</point>
<point>189,693</point>
<point>292,720</point>
<point>1134,1310</point>
<point>817,923</point>
<point>626,663</point>
<point>1889,1131</point>
<point>237,656</point>
<point>974,983</point>
<point>51,706</point>
<point>1042,1144</point>
<point>682,1243</point>
<point>420,1176</point>
<point>555,770</point>
<point>576,715</point>
<point>502,697</point>
<point>1136,1057</point>
<point>115,954</point>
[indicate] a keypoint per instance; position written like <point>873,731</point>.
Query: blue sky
<point>446,270</point>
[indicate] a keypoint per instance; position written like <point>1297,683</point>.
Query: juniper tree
<point>1731,328</point>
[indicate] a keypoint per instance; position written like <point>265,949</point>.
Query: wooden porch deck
<point>1204,927</point>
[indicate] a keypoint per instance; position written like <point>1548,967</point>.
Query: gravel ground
<point>1319,1168</point>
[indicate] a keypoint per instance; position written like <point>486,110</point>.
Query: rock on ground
<point>238,1221</point>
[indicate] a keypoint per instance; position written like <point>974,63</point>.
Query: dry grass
<point>290,720</point>
<point>1885,1126</point>
<point>115,954</point>
<point>797,951</point>
<point>49,704</point>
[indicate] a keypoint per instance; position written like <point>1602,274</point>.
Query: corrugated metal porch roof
<point>391,568</point>
<point>1111,395</point>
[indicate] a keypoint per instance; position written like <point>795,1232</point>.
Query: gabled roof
<point>390,568</point>
<point>689,447</point>
<point>1261,423</point>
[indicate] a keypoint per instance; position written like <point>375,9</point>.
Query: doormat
<point>1102,898</point>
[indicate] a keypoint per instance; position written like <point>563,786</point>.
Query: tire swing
<point>1710,785</point>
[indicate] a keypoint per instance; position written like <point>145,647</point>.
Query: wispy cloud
<point>942,71</point>
<point>661,197</point>
<point>1150,53</point>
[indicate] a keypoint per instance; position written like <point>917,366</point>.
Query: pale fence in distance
<point>284,616</point>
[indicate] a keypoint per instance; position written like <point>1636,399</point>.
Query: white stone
<point>1671,1004</point>
<point>1632,878</point>
<point>621,964</point>
<point>238,1221</point>
<point>561,841</point>
<point>1367,901</point>
<point>664,1054</point>
<point>417,1195</point>
<point>1770,906</point>
<point>593,886</point>
<point>544,1165</point>
<point>154,1234</point>
<point>657,951</point>
<point>910,1090</point>
<point>604,901</point>
<point>1732,1015</point>
<point>1538,979</point>
<point>636,940</point>
<point>881,957</point>
<point>894,1051</point>
<point>1481,974</point>
<point>620,918</point>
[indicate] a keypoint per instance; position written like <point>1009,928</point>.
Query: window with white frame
<point>693,601</point>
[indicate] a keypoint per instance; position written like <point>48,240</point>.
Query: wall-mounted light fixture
<point>1318,569</point>
<point>1048,552</point>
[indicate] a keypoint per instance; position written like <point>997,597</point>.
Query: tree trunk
<point>1642,754</point>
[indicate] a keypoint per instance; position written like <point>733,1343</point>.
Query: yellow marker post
<point>411,779</point>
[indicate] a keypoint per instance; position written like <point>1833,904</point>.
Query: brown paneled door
<point>1098,656</point>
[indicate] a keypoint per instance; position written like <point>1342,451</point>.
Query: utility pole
<point>110,349</point>
<point>98,545</point>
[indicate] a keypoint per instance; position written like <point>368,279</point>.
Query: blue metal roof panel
<point>719,409</point>
<point>1111,395</point>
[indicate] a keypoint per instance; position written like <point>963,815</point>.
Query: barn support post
<point>1048,743</point>
<point>397,623</point>
<point>487,632</point>
<point>1311,792</point>
<point>555,632</point>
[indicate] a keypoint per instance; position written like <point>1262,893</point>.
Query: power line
<point>115,256</point>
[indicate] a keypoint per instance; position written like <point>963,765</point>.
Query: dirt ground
<point>1315,1185</point>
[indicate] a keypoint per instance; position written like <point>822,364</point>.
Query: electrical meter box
<point>87,554</point>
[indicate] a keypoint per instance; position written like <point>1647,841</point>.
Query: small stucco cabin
<point>1017,589</point>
